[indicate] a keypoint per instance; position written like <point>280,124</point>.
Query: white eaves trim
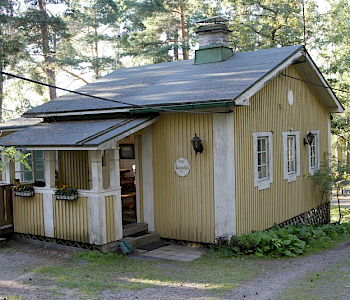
<point>243,99</point>
<point>324,83</point>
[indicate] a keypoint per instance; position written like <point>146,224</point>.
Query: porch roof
<point>89,134</point>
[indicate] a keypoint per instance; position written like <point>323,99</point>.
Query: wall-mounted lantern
<point>197,144</point>
<point>309,138</point>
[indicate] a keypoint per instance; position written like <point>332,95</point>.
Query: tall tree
<point>258,24</point>
<point>94,25</point>
<point>44,32</point>
<point>160,30</point>
<point>12,43</point>
<point>334,41</point>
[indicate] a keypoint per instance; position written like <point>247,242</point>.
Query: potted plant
<point>66,192</point>
<point>23,190</point>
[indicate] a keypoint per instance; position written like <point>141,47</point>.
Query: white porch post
<point>147,178</point>
<point>97,204</point>
<point>224,175</point>
<point>49,165</point>
<point>114,175</point>
<point>9,170</point>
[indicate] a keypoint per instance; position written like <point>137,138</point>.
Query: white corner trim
<point>147,179</point>
<point>293,176</point>
<point>324,83</point>
<point>97,219</point>
<point>224,176</point>
<point>263,184</point>
<point>48,214</point>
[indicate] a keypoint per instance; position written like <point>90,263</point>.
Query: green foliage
<point>288,241</point>
<point>331,176</point>
<point>14,155</point>
<point>66,190</point>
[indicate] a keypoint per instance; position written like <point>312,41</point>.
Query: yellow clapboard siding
<point>71,219</point>
<point>183,206</point>
<point>269,110</point>
<point>74,168</point>
<point>28,215</point>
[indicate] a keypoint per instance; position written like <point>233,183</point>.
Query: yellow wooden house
<point>129,143</point>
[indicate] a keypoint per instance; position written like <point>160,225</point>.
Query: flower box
<point>24,194</point>
<point>66,197</point>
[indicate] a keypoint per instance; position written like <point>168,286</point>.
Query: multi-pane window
<point>291,156</point>
<point>36,162</point>
<point>314,159</point>
<point>262,159</point>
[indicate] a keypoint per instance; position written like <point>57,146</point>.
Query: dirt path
<point>17,262</point>
<point>281,274</point>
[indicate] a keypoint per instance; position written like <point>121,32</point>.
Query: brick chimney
<point>213,41</point>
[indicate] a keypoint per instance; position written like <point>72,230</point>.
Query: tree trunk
<point>183,31</point>
<point>1,90</point>
<point>97,69</point>
<point>49,69</point>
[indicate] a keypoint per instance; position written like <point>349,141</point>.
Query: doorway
<point>127,165</point>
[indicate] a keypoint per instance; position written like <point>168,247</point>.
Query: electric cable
<point>105,99</point>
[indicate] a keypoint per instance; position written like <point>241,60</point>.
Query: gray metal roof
<point>81,134</point>
<point>19,123</point>
<point>181,82</point>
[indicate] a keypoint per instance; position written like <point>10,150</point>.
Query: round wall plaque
<point>182,167</point>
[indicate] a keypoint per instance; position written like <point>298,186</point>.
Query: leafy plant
<point>14,155</point>
<point>332,175</point>
<point>20,187</point>
<point>288,241</point>
<point>66,190</point>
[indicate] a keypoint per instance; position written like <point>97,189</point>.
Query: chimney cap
<point>216,19</point>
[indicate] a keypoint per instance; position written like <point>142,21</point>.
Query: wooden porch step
<point>148,238</point>
<point>6,229</point>
<point>134,228</point>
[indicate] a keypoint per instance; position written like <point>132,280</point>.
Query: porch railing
<point>6,209</point>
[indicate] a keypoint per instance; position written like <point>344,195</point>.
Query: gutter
<point>182,107</point>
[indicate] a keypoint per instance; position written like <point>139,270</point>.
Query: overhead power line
<point>321,85</point>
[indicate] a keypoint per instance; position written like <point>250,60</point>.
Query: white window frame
<point>263,183</point>
<point>291,176</point>
<point>20,169</point>
<point>316,145</point>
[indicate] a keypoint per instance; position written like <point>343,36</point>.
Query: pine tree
<point>12,43</point>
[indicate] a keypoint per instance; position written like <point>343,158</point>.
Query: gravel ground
<point>18,261</point>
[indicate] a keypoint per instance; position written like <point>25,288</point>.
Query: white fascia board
<point>111,144</point>
<point>243,99</point>
<point>324,83</point>
<point>58,148</point>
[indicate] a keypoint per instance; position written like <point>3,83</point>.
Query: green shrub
<point>288,241</point>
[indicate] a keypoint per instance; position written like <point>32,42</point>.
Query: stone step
<point>148,238</point>
<point>134,228</point>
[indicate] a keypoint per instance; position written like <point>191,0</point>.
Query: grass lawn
<point>335,214</point>
<point>92,273</point>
